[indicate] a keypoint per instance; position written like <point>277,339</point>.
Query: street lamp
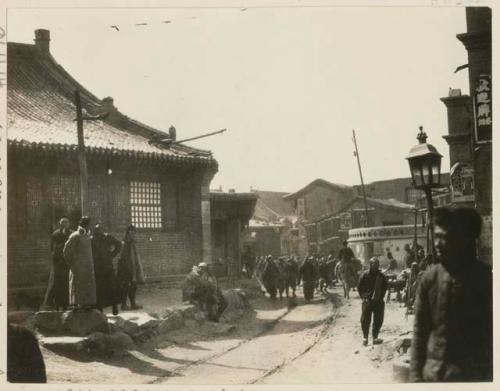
<point>425,168</point>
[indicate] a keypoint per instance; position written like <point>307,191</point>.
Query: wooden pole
<point>82,159</point>
<point>361,176</point>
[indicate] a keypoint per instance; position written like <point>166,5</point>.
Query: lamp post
<point>425,167</point>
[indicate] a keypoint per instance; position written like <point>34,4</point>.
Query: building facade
<point>230,214</point>
<point>470,122</point>
<point>132,177</point>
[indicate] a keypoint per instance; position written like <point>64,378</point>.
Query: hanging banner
<point>482,109</point>
<point>462,182</point>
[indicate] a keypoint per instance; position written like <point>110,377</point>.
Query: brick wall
<point>170,250</point>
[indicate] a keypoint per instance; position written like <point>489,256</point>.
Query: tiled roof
<point>41,113</point>
<point>272,208</point>
<point>318,182</point>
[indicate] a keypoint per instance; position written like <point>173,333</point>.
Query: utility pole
<point>82,158</point>
<point>360,175</point>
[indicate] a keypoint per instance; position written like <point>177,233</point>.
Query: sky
<point>288,84</point>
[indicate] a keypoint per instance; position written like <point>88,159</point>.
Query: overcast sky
<point>289,84</point>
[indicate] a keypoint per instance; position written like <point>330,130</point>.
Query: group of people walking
<point>83,275</point>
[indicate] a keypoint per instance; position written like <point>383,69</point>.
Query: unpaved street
<point>318,342</point>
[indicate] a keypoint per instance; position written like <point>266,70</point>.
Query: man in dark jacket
<point>105,248</point>
<point>58,291</point>
<point>453,329</point>
<point>270,277</point>
<point>308,274</point>
<point>372,288</point>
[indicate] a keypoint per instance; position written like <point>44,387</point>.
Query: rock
<point>63,344</point>
<point>191,323</point>
<point>186,310</point>
<point>124,325</point>
<point>134,323</point>
<point>403,344</point>
<point>237,305</point>
<point>200,316</point>
<point>49,321</point>
<point>172,322</point>
<point>83,323</point>
<point>106,344</point>
<point>356,352</point>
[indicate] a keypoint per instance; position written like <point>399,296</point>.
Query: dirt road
<point>311,343</point>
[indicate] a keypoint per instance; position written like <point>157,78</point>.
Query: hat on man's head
<point>202,265</point>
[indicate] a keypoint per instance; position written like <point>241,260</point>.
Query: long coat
<point>60,285</point>
<point>78,255</point>
<point>104,248</point>
<point>129,264</point>
<point>453,329</point>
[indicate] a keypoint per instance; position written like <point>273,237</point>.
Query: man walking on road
<point>453,326</point>
<point>308,274</point>
<point>372,288</point>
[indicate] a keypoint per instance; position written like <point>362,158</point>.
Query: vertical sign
<point>482,109</point>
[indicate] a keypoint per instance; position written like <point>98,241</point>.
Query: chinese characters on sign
<point>484,116</point>
<point>462,182</point>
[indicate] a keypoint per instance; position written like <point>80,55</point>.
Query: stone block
<point>186,310</point>
<point>51,321</point>
<point>63,344</point>
<point>106,344</point>
<point>84,322</point>
<point>134,323</point>
<point>172,322</point>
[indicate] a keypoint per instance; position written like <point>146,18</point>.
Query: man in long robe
<point>105,248</point>
<point>78,254</point>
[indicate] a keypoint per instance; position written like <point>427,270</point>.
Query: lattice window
<point>145,204</point>
<point>64,193</point>
<point>34,204</point>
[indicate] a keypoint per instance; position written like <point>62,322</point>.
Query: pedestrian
<point>59,284</point>
<point>409,256</point>
<point>393,264</point>
<point>270,275</point>
<point>372,288</point>
<point>308,274</point>
<point>216,303</point>
<point>105,248</point>
<point>453,325</point>
<point>78,254</point>
<point>25,362</point>
<point>129,272</point>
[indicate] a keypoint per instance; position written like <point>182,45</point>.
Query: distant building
<point>318,199</point>
<point>273,228</point>
<point>327,234</point>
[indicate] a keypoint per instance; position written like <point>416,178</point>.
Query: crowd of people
<point>82,273</point>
